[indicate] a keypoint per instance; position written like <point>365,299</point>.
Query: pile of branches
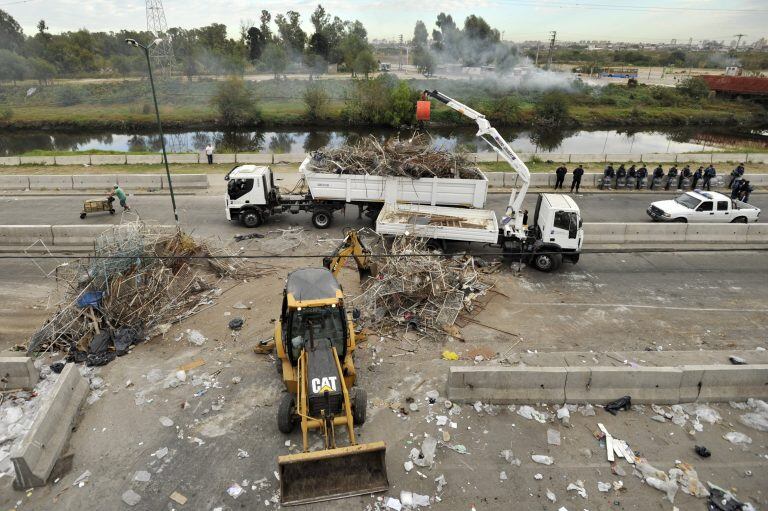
<point>414,158</point>
<point>423,293</point>
<point>140,280</point>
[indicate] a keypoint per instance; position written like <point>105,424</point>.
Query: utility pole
<point>551,49</point>
<point>536,62</point>
<point>400,55</point>
<point>739,39</point>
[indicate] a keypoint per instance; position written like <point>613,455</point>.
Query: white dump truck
<point>252,196</point>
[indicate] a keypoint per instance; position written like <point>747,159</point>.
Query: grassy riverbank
<point>124,106</point>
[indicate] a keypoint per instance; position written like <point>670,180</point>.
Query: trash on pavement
<point>450,355</point>
<point>165,421</point>
<point>758,417</point>
<point>623,403</point>
<point>235,490</point>
<point>702,451</point>
<point>738,361</point>
<point>236,323</point>
<point>394,504</point>
<point>532,414</point>
<point>722,500</point>
<point>131,498</point>
<point>551,496</point>
<point>578,487</point>
<point>410,499</point>
<point>196,338</point>
<point>441,482</point>
<point>553,437</point>
<point>142,476</point>
<point>178,498</point>
<point>543,460</point>
<point>604,487</point>
<point>737,438</point>
<point>538,477</point>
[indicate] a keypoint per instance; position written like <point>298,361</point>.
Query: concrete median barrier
<point>145,159</point>
<point>77,235</point>
<point>289,158</point>
<point>554,157</point>
<point>655,233</point>
<point>542,180</point>
<point>581,158</point>
<point>221,158</point>
<point>485,157</point>
<point>604,233</point>
<point>181,181</point>
<point>507,385</point>
<point>757,158</point>
<point>726,158</point>
<point>183,158</point>
<point>75,159</point>
<point>255,158</point>
<point>695,158</point>
<point>108,159</point>
<point>140,181</point>
<point>25,235</point>
<point>716,233</point>
<point>94,181</point>
<point>495,179</point>
<point>37,182</point>
<point>510,179</point>
<point>14,183</point>
<point>714,383</point>
<point>619,158</point>
<point>757,233</point>
<point>10,160</point>
<point>35,456</point>
<point>18,373</point>
<point>601,385</point>
<point>37,160</point>
<point>660,157</point>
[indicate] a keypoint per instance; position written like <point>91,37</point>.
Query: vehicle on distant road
<point>703,207</point>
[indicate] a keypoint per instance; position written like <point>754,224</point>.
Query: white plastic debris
<point>578,487</point>
<point>160,453</point>
<point>737,438</point>
<point>131,498</point>
<point>441,482</point>
<point>82,479</point>
<point>758,417</point>
<point>603,487</point>
<point>553,437</point>
<point>408,466</point>
<point>441,420</point>
<point>432,395</point>
<point>394,504</point>
<point>502,476</point>
<point>538,477</point>
<point>564,414</point>
<point>532,414</point>
<point>587,410</point>
<point>551,496</point>
<point>235,490</point>
<point>196,338</point>
<point>544,460</point>
<point>428,447</point>
<point>241,453</point>
<point>411,499</point>
<point>668,487</point>
<point>142,476</point>
<point>510,457</point>
<point>167,422</point>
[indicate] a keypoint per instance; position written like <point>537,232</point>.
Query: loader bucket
<point>333,473</point>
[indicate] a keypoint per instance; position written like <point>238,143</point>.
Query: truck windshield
<point>688,201</point>
<point>322,323</point>
<point>236,188</point>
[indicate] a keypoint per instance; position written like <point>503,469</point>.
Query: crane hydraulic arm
<point>514,214</point>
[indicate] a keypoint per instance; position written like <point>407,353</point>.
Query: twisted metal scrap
<point>414,158</point>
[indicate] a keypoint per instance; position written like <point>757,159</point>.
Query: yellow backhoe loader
<point>351,246</point>
<point>315,339</point>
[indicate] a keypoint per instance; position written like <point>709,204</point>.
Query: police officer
<point>736,174</point>
<point>621,173</point>
<point>658,173</point>
<point>685,174</point>
<point>577,173</point>
<point>642,173</point>
<point>709,174</point>
<point>671,176</point>
<point>697,176</point>
<point>745,190</point>
<point>608,175</point>
<point>560,173</point>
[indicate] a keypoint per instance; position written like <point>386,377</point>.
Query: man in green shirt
<point>116,190</point>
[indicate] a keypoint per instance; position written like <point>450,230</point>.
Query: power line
<point>632,8</point>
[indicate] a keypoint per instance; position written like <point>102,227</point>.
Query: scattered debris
<point>623,403</point>
<point>702,451</point>
<point>408,466</point>
<point>450,355</point>
<point>241,453</point>
<point>578,487</point>
<point>758,417</point>
<point>441,482</point>
<point>604,487</point>
<point>553,437</point>
<point>196,338</point>
<point>178,498</point>
<point>236,323</point>
<point>160,453</point>
<point>235,490</point>
<point>737,361</point>
<point>165,421</point>
<point>551,496</point>
<point>544,460</point>
<point>142,476</point>
<point>532,414</point>
<point>82,479</point>
<point>510,457</point>
<point>737,438</point>
<point>131,498</point>
<point>411,500</point>
<point>394,504</point>
<point>538,477</point>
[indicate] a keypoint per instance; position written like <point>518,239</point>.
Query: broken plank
<point>609,447</point>
<point>192,365</point>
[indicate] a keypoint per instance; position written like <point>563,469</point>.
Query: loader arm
<point>351,246</point>
<point>492,137</point>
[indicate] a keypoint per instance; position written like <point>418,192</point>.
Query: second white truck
<point>703,207</point>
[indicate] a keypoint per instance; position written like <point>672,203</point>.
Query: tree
<point>275,59</point>
<point>552,110</point>
<point>364,63</point>
<point>424,61</point>
<point>12,67</point>
<point>291,34</point>
<point>266,32</point>
<point>42,27</point>
<point>316,101</point>
<point>235,103</point>
<point>42,70</point>
<point>11,35</point>
<point>255,42</point>
<point>694,87</point>
<point>354,44</point>
<point>403,104</point>
<point>420,34</point>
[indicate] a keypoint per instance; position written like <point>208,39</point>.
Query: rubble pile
<point>421,292</point>
<point>413,158</point>
<point>139,281</point>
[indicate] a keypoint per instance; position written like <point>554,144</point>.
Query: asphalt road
<point>204,214</point>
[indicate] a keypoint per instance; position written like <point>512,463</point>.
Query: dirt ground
<point>228,404</point>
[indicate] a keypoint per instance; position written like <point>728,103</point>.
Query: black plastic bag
<point>623,403</point>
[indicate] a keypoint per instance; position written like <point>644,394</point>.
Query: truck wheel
<point>739,220</point>
<point>680,221</point>
<point>250,218</point>
<point>82,216</point>
<point>434,245</point>
<point>285,413</point>
<point>547,262</point>
<point>112,211</point>
<point>321,219</point>
<point>359,406</point>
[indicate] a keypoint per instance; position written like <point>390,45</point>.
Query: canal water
<point>305,140</point>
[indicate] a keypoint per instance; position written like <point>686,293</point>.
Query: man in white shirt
<point>209,153</point>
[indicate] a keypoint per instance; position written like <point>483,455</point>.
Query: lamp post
<point>133,42</point>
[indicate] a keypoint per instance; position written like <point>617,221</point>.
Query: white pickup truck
<point>703,207</point>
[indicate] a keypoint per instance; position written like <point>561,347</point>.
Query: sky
<point>519,20</point>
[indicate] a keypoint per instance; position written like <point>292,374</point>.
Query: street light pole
<point>133,42</point>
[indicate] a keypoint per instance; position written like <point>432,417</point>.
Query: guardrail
<point>38,182</point>
<point>483,157</point>
<point>672,234</point>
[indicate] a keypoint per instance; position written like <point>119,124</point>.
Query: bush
<point>403,105</point>
<point>316,101</point>
<point>552,110</point>
<point>665,96</point>
<point>385,100</point>
<point>6,113</point>
<point>68,95</point>
<point>694,87</point>
<point>505,110</point>
<point>235,103</point>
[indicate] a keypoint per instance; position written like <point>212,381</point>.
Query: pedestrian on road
<point>658,173</point>
<point>671,176</point>
<point>642,173</point>
<point>696,177</point>
<point>709,173</point>
<point>209,153</point>
<point>685,174</point>
<point>577,173</point>
<point>560,172</point>
<point>117,191</point>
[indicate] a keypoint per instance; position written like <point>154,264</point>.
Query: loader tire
<point>359,406</point>
<point>285,413</point>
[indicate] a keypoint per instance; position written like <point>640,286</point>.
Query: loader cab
<point>248,185</point>
<point>557,220</point>
<point>313,313</point>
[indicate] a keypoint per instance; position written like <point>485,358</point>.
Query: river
<point>301,141</point>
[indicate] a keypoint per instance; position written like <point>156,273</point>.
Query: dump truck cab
<point>250,188</point>
<point>557,221</point>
